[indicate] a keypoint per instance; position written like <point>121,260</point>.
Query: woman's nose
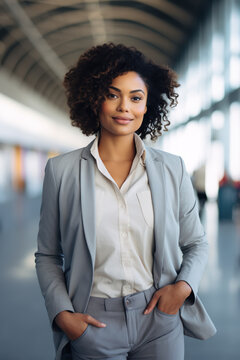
<point>123,105</point>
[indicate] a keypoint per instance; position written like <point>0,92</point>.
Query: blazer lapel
<point>156,177</point>
<point>87,187</point>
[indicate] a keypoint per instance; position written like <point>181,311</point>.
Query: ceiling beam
<point>128,13</point>
<point>174,11</point>
<point>34,36</point>
<point>96,22</point>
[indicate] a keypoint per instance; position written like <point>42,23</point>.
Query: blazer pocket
<point>145,201</point>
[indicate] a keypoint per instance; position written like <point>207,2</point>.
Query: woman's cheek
<point>105,106</point>
<point>141,109</point>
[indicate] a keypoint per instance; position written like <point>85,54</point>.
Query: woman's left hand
<point>170,298</point>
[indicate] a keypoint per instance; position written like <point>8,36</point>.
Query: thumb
<point>91,320</point>
<point>151,305</point>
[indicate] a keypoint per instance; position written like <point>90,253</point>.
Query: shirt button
<point>127,302</point>
<point>124,234</point>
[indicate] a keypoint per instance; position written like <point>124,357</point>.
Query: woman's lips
<point>122,121</point>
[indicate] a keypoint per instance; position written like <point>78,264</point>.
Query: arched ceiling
<point>40,40</point>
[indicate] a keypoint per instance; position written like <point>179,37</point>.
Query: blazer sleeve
<point>49,257</point>
<point>192,239</point>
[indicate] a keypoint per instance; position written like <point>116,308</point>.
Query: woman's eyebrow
<point>132,91</point>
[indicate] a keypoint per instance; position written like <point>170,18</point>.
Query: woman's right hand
<point>74,324</point>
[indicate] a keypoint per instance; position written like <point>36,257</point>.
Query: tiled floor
<point>25,331</point>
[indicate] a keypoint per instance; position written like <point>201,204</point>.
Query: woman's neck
<point>116,148</point>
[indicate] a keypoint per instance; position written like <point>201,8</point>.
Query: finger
<point>151,305</point>
<point>91,320</point>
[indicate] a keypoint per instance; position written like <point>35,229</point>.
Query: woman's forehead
<point>131,80</point>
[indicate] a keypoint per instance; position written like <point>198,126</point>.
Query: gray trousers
<point>129,334</point>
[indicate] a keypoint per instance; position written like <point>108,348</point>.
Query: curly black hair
<point>87,84</point>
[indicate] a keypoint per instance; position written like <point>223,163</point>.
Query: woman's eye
<point>137,98</point>
<point>111,96</point>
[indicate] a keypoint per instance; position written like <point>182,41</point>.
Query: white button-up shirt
<point>124,228</point>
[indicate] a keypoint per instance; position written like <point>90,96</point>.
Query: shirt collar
<point>140,148</point>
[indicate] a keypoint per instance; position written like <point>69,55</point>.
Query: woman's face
<point>124,107</point>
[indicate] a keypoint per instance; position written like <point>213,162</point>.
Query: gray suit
<point>67,232</point>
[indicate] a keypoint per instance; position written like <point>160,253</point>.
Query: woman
<point>122,219</point>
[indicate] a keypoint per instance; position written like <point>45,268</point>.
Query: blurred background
<point>39,41</point>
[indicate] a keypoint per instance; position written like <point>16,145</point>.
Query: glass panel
<point>234,161</point>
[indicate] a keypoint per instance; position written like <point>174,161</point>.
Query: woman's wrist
<point>184,287</point>
<point>62,318</point>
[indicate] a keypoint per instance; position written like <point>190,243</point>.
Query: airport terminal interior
<point>39,41</point>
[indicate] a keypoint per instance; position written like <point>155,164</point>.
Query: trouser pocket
<point>102,342</point>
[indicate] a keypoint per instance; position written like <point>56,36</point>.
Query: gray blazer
<point>67,238</point>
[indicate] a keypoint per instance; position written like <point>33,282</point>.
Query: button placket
<point>124,233</point>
